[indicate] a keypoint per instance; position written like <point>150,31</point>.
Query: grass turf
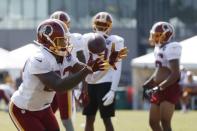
<point>125,120</point>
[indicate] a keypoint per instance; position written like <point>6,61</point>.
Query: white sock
<point>68,125</point>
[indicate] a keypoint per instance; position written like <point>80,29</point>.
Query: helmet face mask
<point>161,33</point>
<point>102,23</point>
<point>62,46</point>
<point>53,35</point>
<point>156,38</point>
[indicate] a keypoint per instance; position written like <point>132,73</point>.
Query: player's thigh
<point>154,114</point>
<point>92,106</point>
<point>49,120</point>
<point>54,104</point>
<point>105,111</point>
<point>24,120</point>
<point>166,110</point>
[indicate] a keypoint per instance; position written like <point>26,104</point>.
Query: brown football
<point>96,44</point>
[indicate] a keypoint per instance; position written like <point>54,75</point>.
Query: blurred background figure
<point>7,88</point>
<point>188,82</point>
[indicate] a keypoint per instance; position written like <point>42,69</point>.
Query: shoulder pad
<point>173,44</point>
<point>116,39</point>
<point>87,35</point>
<point>76,35</point>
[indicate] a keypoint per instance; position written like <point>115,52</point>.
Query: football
<point>96,44</point>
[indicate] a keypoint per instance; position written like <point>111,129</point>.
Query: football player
<point>30,104</point>
<point>102,85</point>
<point>164,80</point>
<point>64,101</point>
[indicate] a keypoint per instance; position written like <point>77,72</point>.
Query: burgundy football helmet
<point>53,35</point>
<point>161,32</point>
<point>63,16</point>
<point>102,23</point>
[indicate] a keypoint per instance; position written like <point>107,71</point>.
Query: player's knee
<point>165,122</point>
<point>153,123</point>
<point>90,119</point>
<point>107,121</point>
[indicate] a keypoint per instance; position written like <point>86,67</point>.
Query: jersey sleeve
<point>173,52</point>
<point>39,65</point>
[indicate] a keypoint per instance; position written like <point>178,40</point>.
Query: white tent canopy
<point>3,51</point>
<point>21,54</point>
<point>6,61</point>
<point>143,66</point>
<point>3,58</point>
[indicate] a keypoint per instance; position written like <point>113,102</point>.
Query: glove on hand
<point>147,92</point>
<point>98,64</point>
<point>108,98</point>
<point>115,56</point>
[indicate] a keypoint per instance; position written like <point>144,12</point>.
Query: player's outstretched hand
<point>97,65</point>
<point>115,56</point>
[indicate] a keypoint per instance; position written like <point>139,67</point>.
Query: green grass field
<point>125,120</point>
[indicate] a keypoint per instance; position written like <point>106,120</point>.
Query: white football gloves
<point>108,98</point>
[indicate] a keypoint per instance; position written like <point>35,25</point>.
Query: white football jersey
<point>32,94</point>
<point>163,54</point>
<point>110,75</point>
<point>77,41</point>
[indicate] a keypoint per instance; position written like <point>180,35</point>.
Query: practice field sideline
<point>125,120</point>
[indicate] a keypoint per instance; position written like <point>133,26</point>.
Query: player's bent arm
<point>81,56</point>
<point>77,67</point>
<point>55,82</point>
<point>174,75</point>
<point>150,82</point>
